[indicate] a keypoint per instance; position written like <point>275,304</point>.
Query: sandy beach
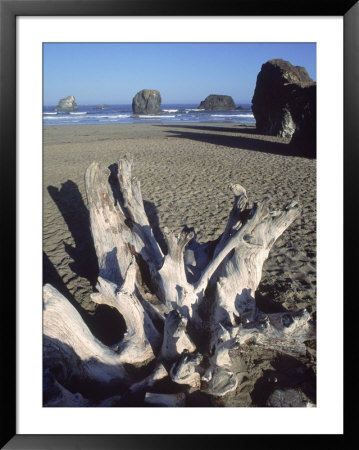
<point>184,172</point>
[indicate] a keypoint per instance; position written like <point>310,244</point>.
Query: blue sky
<point>183,73</point>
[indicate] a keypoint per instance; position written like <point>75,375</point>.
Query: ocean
<point>174,113</point>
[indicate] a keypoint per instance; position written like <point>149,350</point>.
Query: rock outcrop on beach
<point>284,102</point>
<point>67,104</point>
<point>303,107</point>
<point>217,103</point>
<point>147,101</point>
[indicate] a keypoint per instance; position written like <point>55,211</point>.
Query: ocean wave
<point>110,116</point>
<point>193,109</point>
<point>50,113</point>
<point>78,113</point>
<point>88,117</point>
<point>154,117</point>
<point>59,118</point>
<point>170,110</point>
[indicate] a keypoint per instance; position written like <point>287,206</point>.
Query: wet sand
<point>184,172</point>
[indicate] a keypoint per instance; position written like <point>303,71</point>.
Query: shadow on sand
<point>239,140</point>
<point>69,201</point>
<point>288,373</point>
<point>152,214</point>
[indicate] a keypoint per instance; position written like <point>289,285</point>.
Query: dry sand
<point>184,172</point>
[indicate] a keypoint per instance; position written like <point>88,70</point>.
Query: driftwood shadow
<point>69,201</point>
<point>56,368</point>
<point>241,142</point>
<point>114,394</point>
<point>51,276</point>
<point>288,373</point>
<point>152,214</point>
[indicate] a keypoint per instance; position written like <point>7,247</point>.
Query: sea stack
<point>147,101</point>
<point>218,103</point>
<point>284,102</point>
<point>67,104</point>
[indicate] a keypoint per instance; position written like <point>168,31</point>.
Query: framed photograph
<point>190,299</point>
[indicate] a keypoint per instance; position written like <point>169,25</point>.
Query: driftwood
<point>185,309</point>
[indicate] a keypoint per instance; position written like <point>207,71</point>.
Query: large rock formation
<point>302,101</point>
<point>218,103</point>
<point>284,101</point>
<point>67,104</point>
<point>147,101</point>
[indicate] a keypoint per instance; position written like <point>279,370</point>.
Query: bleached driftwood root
<point>202,302</point>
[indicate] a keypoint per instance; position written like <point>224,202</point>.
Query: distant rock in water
<point>284,102</point>
<point>67,104</point>
<point>218,103</point>
<point>101,106</point>
<point>147,101</point>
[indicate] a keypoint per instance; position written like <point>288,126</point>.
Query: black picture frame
<point>9,10</point>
